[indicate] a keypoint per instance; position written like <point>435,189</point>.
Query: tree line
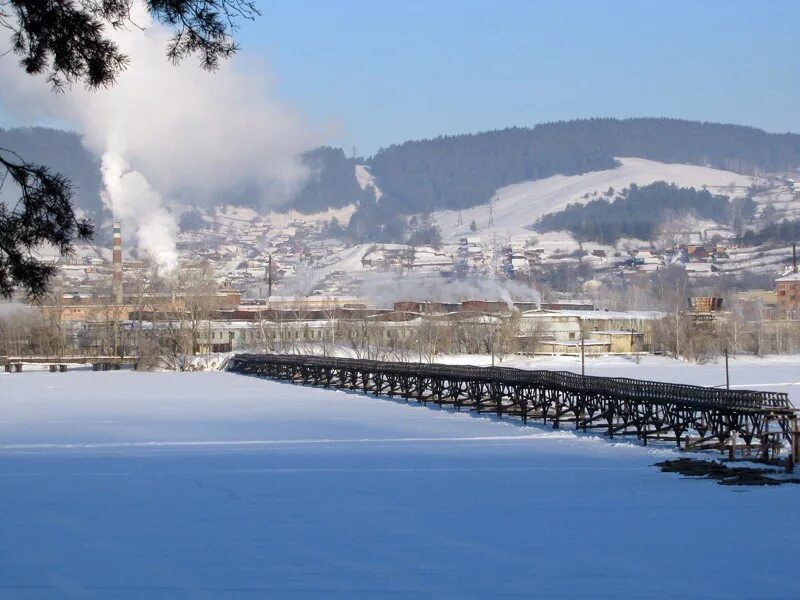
<point>635,213</point>
<point>460,171</point>
<point>785,231</point>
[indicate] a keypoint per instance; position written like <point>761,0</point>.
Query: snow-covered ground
<point>516,207</point>
<point>200,485</point>
<point>365,179</point>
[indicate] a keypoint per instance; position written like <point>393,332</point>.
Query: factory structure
<point>220,320</point>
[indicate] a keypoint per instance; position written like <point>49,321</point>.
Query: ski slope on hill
<point>201,485</point>
<point>347,260</point>
<point>365,179</point>
<point>515,207</point>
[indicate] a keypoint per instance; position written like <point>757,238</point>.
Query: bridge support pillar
<point>53,368</point>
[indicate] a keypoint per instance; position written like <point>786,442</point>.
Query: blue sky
<point>382,71</point>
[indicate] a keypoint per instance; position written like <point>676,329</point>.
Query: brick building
<point>787,289</point>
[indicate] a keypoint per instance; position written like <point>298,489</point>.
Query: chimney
<point>117,263</point>
<point>794,257</point>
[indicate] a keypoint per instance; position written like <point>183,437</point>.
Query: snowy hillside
<point>208,485</point>
<point>518,206</point>
<point>348,260</point>
<point>782,197</point>
<point>365,179</point>
<point>236,216</point>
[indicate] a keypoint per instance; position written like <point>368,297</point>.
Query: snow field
<point>517,206</point>
<point>207,485</point>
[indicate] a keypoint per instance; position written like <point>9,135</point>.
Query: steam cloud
<point>134,200</point>
<point>166,132</point>
<point>435,288</point>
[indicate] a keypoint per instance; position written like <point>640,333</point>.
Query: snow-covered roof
<point>699,267</point>
<point>575,344</point>
<point>599,314</point>
<point>789,277</point>
<point>615,332</point>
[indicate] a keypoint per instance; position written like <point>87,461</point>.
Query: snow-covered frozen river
<point>206,485</point>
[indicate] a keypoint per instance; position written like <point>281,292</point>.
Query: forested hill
<point>332,183</point>
<point>637,212</point>
<point>61,152</point>
<point>460,171</point>
<point>464,170</point>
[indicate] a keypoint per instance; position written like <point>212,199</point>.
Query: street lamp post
<point>583,348</point>
<point>727,374</point>
<point>491,339</point>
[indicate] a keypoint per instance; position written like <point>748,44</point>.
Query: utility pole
<point>419,341</point>
<point>491,339</point>
<point>583,347</point>
<point>269,278</point>
<point>727,376</point>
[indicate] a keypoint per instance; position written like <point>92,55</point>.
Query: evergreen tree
<point>636,213</point>
<point>67,41</point>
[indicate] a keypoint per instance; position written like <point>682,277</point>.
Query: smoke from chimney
<point>172,133</point>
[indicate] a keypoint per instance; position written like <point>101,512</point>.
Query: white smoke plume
<point>384,291</point>
<point>166,131</point>
<point>135,201</point>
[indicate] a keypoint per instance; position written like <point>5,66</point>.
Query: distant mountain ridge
<point>461,171</point>
<point>453,172</point>
<point>62,152</point>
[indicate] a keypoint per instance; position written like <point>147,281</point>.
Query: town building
<point>787,289</point>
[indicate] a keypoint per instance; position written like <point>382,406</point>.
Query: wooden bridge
<point>14,364</point>
<point>756,424</point>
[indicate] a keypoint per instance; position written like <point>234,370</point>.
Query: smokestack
<point>117,263</point>
<point>794,257</point>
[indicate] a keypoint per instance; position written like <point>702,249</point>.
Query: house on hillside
<point>787,289</point>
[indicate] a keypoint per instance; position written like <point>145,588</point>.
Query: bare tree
<point>186,320</point>
<point>672,287</point>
